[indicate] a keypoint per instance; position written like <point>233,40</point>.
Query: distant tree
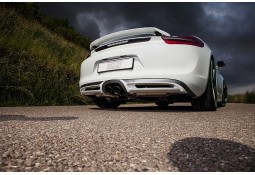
<point>250,97</point>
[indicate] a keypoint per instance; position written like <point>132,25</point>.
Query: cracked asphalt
<point>134,137</point>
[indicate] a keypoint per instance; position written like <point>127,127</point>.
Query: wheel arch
<point>209,57</point>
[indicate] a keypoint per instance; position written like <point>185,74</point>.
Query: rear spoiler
<point>124,33</point>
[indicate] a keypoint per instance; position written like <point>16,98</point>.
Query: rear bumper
<point>139,87</point>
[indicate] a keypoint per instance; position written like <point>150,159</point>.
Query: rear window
<point>124,40</point>
<point>129,37</point>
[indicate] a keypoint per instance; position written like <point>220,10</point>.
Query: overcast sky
<point>228,28</point>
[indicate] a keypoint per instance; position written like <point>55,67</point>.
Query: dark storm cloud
<point>228,28</point>
<point>176,18</point>
<point>230,34</point>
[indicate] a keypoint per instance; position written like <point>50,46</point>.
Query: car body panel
<point>219,82</point>
<point>155,62</point>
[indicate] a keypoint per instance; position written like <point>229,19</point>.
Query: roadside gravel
<point>131,138</point>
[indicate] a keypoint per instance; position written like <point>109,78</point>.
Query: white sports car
<point>150,64</point>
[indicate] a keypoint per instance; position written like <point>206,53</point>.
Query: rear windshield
<point>128,37</point>
<point>122,41</point>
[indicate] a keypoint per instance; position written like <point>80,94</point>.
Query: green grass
<point>248,97</point>
<point>38,67</point>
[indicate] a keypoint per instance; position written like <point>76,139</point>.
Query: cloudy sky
<point>228,28</point>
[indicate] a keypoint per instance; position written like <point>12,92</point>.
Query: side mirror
<point>221,64</point>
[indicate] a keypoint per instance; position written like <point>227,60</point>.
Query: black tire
<point>224,96</point>
<point>208,100</point>
<point>162,104</point>
<point>103,102</point>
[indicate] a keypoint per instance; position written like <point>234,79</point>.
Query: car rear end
<point>145,62</point>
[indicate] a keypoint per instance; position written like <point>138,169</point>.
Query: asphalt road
<point>131,138</point>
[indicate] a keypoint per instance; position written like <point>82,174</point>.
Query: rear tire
<point>207,101</point>
<point>103,102</point>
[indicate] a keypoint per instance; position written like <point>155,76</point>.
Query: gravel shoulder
<point>134,137</point>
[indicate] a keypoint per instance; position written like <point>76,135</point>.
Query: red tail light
<point>188,40</point>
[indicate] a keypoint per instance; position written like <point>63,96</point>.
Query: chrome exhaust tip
<point>116,90</point>
<point>108,90</point>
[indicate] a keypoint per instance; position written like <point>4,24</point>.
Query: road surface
<point>134,137</point>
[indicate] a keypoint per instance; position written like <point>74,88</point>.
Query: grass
<point>248,97</point>
<point>38,67</point>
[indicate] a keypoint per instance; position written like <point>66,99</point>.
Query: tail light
<point>187,40</point>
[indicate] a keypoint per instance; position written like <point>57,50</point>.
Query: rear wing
<point>124,33</point>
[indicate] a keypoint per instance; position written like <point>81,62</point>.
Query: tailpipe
<point>108,89</point>
<point>116,90</point>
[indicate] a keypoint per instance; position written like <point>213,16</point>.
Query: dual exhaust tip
<point>114,90</point>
